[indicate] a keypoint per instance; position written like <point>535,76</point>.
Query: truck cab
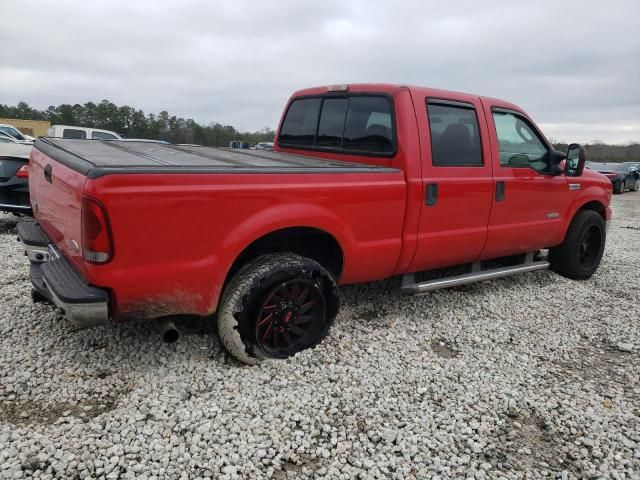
<point>488,181</point>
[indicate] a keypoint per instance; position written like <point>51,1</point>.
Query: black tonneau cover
<point>95,158</point>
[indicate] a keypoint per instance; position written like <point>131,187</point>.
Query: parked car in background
<point>264,146</point>
<point>622,176</point>
<point>82,133</point>
<point>142,140</point>
<point>633,165</point>
<point>15,133</point>
<point>10,146</point>
<point>14,175</point>
<point>239,144</point>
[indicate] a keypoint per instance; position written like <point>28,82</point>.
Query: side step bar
<point>409,285</point>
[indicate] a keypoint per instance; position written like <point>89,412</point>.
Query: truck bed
<point>96,158</point>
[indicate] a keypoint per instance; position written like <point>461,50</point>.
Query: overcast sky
<point>574,66</point>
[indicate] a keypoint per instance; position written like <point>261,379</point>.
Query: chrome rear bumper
<point>55,279</point>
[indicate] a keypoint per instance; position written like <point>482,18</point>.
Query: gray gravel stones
<point>626,347</point>
<point>520,377</point>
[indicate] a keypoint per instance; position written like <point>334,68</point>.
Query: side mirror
<point>576,158</point>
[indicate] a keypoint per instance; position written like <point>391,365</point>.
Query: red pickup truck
<point>366,182</point>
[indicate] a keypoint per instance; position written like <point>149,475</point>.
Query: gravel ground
<point>524,377</point>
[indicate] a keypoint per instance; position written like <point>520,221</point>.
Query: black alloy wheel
<point>276,306</point>
<point>580,254</point>
<point>291,317</point>
<point>590,245</point>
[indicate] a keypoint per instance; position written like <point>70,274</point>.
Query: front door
<point>457,182</point>
<point>530,205</point>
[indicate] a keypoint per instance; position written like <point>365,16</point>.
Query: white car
<point>82,133</point>
<point>264,146</point>
<point>11,147</point>
<point>15,133</point>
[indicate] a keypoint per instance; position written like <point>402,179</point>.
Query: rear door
<point>530,205</point>
<point>457,182</point>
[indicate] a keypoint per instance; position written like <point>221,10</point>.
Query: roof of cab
<point>393,88</point>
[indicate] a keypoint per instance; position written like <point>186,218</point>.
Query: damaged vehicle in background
<point>14,175</point>
<point>622,176</point>
<point>13,132</point>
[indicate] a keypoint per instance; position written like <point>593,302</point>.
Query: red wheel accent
<point>292,315</point>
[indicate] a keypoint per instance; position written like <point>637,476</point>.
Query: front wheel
<point>579,255</point>
<point>636,185</point>
<point>275,307</point>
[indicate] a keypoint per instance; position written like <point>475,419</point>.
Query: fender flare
<point>590,195</point>
<point>272,219</point>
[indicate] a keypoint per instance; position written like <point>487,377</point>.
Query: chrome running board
<point>476,275</point>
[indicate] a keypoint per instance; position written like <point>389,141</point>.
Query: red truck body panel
<point>176,235</point>
<point>57,205</point>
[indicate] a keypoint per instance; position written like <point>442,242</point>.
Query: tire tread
<point>236,296</point>
<point>563,258</point>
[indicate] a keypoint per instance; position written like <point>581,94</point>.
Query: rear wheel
<point>579,255</point>
<point>619,187</point>
<point>275,307</point>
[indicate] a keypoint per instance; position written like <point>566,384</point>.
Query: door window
<point>519,143</point>
<point>455,139</point>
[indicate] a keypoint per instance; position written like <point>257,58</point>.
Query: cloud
<point>572,65</point>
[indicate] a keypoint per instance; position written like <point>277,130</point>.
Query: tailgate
<point>56,198</point>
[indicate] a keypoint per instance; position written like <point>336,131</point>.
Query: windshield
<point>6,137</point>
<point>14,132</point>
<point>607,167</point>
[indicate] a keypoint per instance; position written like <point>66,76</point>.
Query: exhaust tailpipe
<point>169,331</point>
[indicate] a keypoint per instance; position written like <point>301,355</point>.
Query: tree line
<point>134,123</point>
<point>598,151</point>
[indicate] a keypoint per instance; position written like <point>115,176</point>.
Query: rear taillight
<point>23,172</point>
<point>97,243</point>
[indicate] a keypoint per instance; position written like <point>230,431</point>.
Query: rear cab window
<point>354,124</point>
<point>300,123</point>
<point>74,133</point>
<point>103,136</point>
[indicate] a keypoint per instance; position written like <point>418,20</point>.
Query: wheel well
<point>596,207</point>
<point>305,241</point>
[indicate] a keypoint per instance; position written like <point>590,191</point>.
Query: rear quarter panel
<point>176,236</point>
